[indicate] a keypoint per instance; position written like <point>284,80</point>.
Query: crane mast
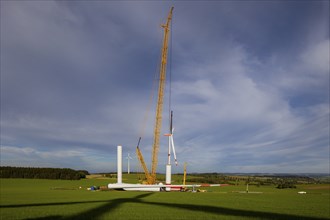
<point>151,177</point>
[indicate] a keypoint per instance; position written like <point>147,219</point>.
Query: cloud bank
<point>249,84</point>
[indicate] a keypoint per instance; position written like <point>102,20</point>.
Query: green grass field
<point>62,199</point>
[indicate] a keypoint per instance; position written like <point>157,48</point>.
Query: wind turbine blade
<point>129,157</point>
<point>173,148</point>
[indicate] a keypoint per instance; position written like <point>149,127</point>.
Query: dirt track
<point>318,187</point>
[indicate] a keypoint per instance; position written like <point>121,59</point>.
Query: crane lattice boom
<point>161,87</point>
<point>151,178</point>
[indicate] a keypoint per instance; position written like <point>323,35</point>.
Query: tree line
<point>280,181</point>
<point>42,173</point>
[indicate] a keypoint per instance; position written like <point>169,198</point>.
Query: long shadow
<point>111,205</point>
<point>51,217</point>
<point>234,212</point>
<point>108,207</point>
<point>50,204</point>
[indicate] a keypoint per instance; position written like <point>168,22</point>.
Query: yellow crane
<point>151,177</point>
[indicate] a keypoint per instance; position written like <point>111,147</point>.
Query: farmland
<point>69,199</point>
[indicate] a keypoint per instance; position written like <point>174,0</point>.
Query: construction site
<point>150,182</point>
<point>249,140</point>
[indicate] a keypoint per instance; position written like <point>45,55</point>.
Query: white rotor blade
<point>173,148</point>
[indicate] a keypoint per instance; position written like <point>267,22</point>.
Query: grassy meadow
<point>69,199</point>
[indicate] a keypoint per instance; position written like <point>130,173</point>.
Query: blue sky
<point>249,88</point>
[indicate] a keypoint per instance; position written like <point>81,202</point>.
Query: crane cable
<point>170,75</point>
<point>146,114</point>
<point>153,88</point>
<point>151,100</point>
<point>146,117</point>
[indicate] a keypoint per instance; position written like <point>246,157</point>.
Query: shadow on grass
<point>111,205</point>
<point>50,204</point>
<point>51,217</point>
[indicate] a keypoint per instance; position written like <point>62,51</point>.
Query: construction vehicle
<point>151,177</point>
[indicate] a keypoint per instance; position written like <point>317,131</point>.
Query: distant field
<point>64,199</point>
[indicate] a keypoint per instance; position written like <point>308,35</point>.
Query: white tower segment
<point>119,164</point>
<point>170,147</point>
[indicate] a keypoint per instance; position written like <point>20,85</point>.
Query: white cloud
<point>307,73</point>
<point>316,58</point>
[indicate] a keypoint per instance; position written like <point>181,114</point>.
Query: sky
<point>248,82</point>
